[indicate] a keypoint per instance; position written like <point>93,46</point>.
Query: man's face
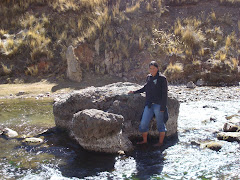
<point>153,70</point>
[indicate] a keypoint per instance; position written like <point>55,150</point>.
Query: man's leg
<point>144,125</point>
<point>144,141</point>
<point>160,124</point>
<point>161,138</point>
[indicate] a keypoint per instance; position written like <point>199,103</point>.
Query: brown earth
<point>132,64</point>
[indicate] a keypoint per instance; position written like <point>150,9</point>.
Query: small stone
<point>230,127</point>
<point>191,85</point>
<point>216,146</point>
<point>20,93</point>
<point>9,133</point>
<point>33,140</point>
<point>195,143</point>
<point>229,136</point>
<point>213,119</point>
<point>200,82</point>
<point>121,152</point>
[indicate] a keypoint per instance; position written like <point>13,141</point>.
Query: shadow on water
<point>77,162</point>
<point>150,159</point>
<point>80,163</point>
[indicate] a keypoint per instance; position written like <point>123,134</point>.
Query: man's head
<point>153,68</point>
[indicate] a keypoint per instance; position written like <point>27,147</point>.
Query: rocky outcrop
<point>113,98</point>
<point>84,55</point>
<point>74,71</point>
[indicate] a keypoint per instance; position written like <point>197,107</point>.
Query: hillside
<point>191,40</point>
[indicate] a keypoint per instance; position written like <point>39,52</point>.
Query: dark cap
<point>153,63</point>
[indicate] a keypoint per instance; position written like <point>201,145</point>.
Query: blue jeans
<point>148,115</point>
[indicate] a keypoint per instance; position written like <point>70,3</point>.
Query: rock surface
<point>33,140</point>
<point>191,85</point>
<point>229,136</point>
<point>233,125</point>
<point>213,145</point>
<point>230,127</point>
<point>113,98</point>
<point>74,71</point>
<point>97,130</point>
<point>9,133</point>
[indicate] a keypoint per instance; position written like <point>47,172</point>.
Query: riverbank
<point>51,89</point>
<point>203,112</point>
<point>46,89</point>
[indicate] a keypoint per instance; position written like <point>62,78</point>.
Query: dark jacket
<point>156,89</point>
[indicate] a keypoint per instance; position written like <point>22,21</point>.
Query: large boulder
<point>113,98</point>
<point>97,130</point>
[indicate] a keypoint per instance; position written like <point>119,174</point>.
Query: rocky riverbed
<point>206,93</point>
<point>197,152</point>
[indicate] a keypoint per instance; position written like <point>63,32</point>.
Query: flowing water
<point>61,158</point>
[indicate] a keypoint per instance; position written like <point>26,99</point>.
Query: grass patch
<point>30,89</point>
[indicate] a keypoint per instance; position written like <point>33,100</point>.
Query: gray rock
<point>9,133</point>
<point>191,85</point>
<point>74,71</point>
<point>113,98</point>
<point>33,140</point>
<point>230,127</point>
<point>101,131</point>
<point>20,93</point>
<point>233,125</point>
<point>200,82</point>
<point>213,145</point>
<point>229,136</point>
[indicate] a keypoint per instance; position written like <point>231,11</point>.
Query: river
<point>61,158</point>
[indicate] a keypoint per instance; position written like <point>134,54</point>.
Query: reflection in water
<point>59,157</point>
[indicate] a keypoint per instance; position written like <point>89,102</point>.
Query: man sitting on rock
<point>156,89</point>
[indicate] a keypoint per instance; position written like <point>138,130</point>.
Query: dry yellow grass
<point>32,88</point>
<point>174,71</point>
<point>174,68</point>
<point>33,70</point>
<point>7,70</point>
<point>230,1</point>
<point>235,62</point>
<point>134,8</point>
<point>213,16</point>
